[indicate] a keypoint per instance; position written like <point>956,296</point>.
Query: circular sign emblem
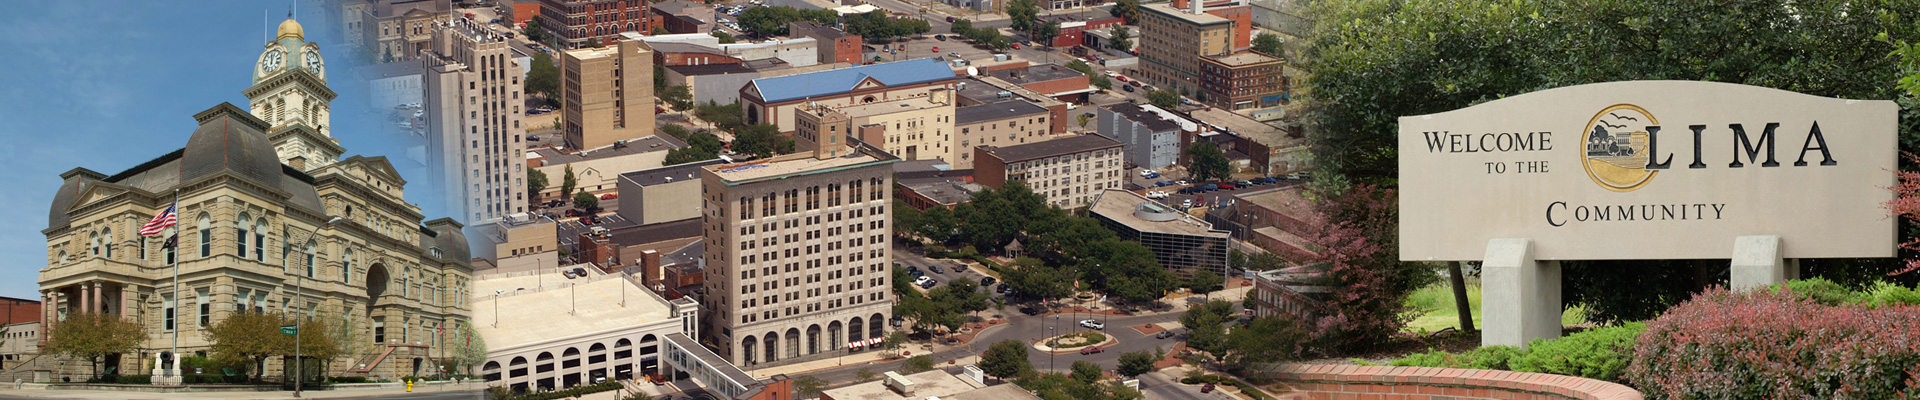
<point>1616,152</point>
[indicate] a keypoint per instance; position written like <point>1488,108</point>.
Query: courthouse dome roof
<point>230,139</point>
<point>291,28</point>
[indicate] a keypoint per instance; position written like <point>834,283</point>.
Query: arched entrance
<point>376,282</point>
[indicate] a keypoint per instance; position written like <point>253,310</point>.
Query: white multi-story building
<point>797,253</point>
<point>1070,172</point>
<point>473,108</point>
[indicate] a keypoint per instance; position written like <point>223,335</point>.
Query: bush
<point>1775,344</point>
<point>1494,357</point>
<point>1884,294</point>
<point>1820,290</point>
<point>572,392</point>
<point>347,379</point>
<point>134,379</point>
<point>1599,353</point>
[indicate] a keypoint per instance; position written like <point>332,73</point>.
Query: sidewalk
<point>477,388</point>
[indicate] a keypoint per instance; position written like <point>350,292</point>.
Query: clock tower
<point>290,92</point>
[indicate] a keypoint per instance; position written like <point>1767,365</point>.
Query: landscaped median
<point>1326,381</point>
<point>1073,342</point>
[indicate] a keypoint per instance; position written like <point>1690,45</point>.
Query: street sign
<point>288,330</point>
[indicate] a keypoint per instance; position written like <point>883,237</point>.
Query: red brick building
<point>575,21</point>
<point>19,310</point>
<point>525,10</point>
<point>669,54</point>
<point>1242,81</point>
<point>836,46</point>
<point>1057,82</point>
<point>1073,28</point>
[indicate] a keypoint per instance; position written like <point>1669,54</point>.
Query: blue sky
<point>108,85</point>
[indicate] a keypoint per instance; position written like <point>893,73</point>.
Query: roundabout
<point>1073,342</point>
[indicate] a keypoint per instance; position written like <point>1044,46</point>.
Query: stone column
<point>1757,263</point>
<point>48,308</point>
<point>128,307</point>
<point>1521,294</point>
<point>94,304</point>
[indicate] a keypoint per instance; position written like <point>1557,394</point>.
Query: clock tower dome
<point>290,92</point>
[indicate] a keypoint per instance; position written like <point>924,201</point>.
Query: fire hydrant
<point>409,386</point>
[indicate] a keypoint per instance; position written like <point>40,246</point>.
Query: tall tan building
<point>912,128</point>
<point>1175,36</point>
<point>1069,171</point>
<point>1005,123</point>
<point>473,106</point>
<point>606,94</point>
<point>335,241</point>
<point>797,253</point>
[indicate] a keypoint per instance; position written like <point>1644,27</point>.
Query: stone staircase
<point>394,362</point>
<point>47,368</point>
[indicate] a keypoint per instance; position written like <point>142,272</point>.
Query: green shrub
<point>1886,293</point>
<point>134,379</point>
<point>1821,290</point>
<point>347,379</point>
<point>1494,357</point>
<point>1600,353</point>
<point>575,391</point>
<point>1775,345</point>
<point>1434,359</point>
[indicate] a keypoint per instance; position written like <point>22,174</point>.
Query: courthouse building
<point>271,219</point>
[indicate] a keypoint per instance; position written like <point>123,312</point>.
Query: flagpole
<point>175,260</point>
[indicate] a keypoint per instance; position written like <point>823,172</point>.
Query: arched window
<point>240,234</point>
<point>93,243</point>
<point>286,251</point>
<point>260,240</point>
<point>310,250</point>
<point>206,236</point>
<point>346,267</point>
<point>106,241</point>
<point>63,257</point>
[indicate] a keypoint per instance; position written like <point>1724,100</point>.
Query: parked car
<point>940,37</point>
<point>1030,310</point>
<point>1146,172</point>
<point>1264,180</point>
<point>949,19</point>
<point>578,271</point>
<point>987,281</point>
<point>1016,46</point>
<point>1162,184</point>
<point>1126,88</point>
<point>1000,288</point>
<point>923,281</point>
<point>1122,78</point>
<point>929,283</point>
<point>915,271</point>
<point>609,196</point>
<point>1227,186</point>
<point>1186,203</point>
<point>1136,83</point>
<point>936,269</point>
<point>1180,182</point>
<point>1091,350</point>
<point>1092,324</point>
<point>1207,388</point>
<point>1163,335</point>
<point>1156,194</point>
<point>936,49</point>
<point>1212,187</point>
<point>1243,183</point>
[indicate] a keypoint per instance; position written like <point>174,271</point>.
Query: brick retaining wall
<point>1340,382</point>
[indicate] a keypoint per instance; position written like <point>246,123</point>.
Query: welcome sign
<point>1649,170</point>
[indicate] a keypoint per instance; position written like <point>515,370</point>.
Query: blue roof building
<point>769,100</point>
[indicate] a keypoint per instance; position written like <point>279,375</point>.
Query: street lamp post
<point>1050,348</point>
<point>300,280</point>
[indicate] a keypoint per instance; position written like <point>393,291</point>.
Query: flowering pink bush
<point>1906,203</point>
<point>1776,345</point>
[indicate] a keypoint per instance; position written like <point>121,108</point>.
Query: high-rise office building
<point>606,94</point>
<point>473,107</point>
<point>797,254</point>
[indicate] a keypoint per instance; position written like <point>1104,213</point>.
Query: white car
<point>1092,324</point>
<point>1146,172</point>
<point>1188,203</point>
<point>1156,194</point>
<point>923,280</point>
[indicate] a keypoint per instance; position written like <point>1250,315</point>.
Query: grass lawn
<point>1436,309</point>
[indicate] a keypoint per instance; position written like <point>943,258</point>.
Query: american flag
<point>162,221</point>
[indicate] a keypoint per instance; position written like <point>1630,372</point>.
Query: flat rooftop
<point>1154,121</point>
<point>1004,391</point>
<point>1245,59</point>
<point>391,70</point>
<point>795,164</point>
<point>655,233</point>
<point>1145,215</point>
<point>996,111</point>
<point>935,383</point>
<point>711,69</point>
<point>668,174</point>
<point>946,191</point>
<point>649,144</point>
<point>1242,125</point>
<point>889,107</point>
<point>1036,73</point>
<point>535,306</point>
<point>1167,9</point>
<point>1052,148</point>
<point>1291,201</point>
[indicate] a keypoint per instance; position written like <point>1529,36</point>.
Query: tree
<point>772,21</point>
<point>761,140</point>
<point>468,348</point>
<point>1128,10</point>
<point>1097,79</point>
<point>701,146</point>
<point>726,117</point>
<point>1005,359</point>
<point>660,30</point>
<point>1206,161</point>
<point>894,341</point>
<point>248,338</point>
<point>1360,250</point>
<point>808,386</point>
<point>543,77</point>
<point>1204,282</point>
<point>680,97</point>
<point>593,42</point>
<point>1122,37</point>
<point>1270,43</point>
<point>1266,342</point>
<point>93,336</point>
<point>1163,98</point>
<point>961,296</point>
<point>534,32</point>
<point>1135,363</point>
<point>536,182</point>
<point>567,181</point>
<point>1127,270</point>
<point>1087,372</point>
<point>936,224</point>
<point>1029,277</point>
<point>1082,119</point>
<point>317,342</point>
<point>1022,14</point>
<point>1204,326</point>
<point>725,38</point>
<point>585,201</point>
<point>1044,32</point>
<point>916,364</point>
<point>962,27</point>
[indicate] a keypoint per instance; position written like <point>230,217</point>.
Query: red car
<point>1016,46</point>
<point>1091,350</point>
<point>1207,388</point>
<point>1122,78</point>
<point>1227,186</point>
<point>609,196</point>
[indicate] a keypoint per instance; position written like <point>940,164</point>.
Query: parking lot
<point>950,269</point>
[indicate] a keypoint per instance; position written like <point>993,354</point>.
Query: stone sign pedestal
<point>1521,295</point>
<point>1757,263</point>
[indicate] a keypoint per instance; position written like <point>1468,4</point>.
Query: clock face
<point>273,60</point>
<point>313,60</point>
